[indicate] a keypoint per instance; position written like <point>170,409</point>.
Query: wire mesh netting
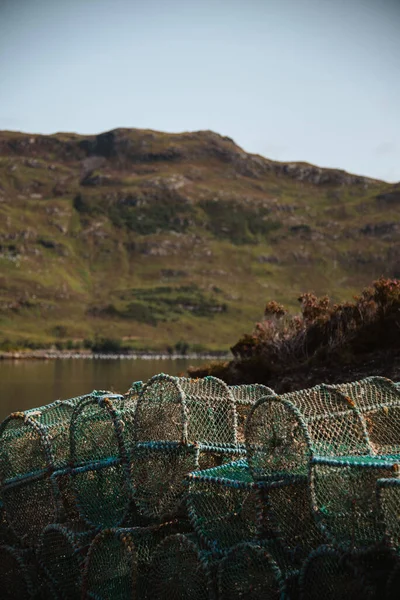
<point>159,470</point>
<point>33,445</point>
<point>158,473</point>
<point>223,505</point>
<point>249,571</point>
<point>378,401</point>
<point>286,515</point>
<point>282,432</point>
<point>153,494</point>
<point>245,397</point>
<point>344,488</point>
<point>61,552</point>
<point>186,410</point>
<point>7,535</point>
<point>119,560</point>
<point>180,425</point>
<point>101,445</point>
<point>389,504</point>
<point>182,571</point>
<point>345,499</point>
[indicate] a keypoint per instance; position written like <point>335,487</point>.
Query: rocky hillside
<point>159,238</point>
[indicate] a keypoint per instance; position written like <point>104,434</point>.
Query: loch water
<point>31,383</point>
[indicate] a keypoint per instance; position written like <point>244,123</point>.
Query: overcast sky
<point>303,80</point>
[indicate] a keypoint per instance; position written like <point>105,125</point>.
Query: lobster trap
<point>245,397</point>
<point>283,432</point>
<point>378,402</point>
<point>182,570</point>
<point>33,447</point>
<point>388,494</point>
<point>186,410</point>
<point>119,562</point>
<point>344,496</point>
<point>61,553</point>
<point>249,571</point>
<point>181,425</point>
<point>223,506</point>
<point>101,444</point>
<point>330,574</point>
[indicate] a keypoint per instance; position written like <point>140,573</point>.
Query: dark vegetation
<point>326,342</point>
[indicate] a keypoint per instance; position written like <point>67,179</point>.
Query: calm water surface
<point>30,383</point>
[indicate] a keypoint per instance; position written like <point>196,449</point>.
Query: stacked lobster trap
<point>192,489</point>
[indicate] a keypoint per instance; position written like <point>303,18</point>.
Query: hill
<point>160,238</point>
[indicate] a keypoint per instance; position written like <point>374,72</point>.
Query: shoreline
<point>143,355</point>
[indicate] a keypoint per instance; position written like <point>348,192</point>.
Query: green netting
<point>134,391</point>
<point>17,576</point>
<point>329,574</point>
<point>101,444</point>
<point>159,470</point>
<point>286,515</point>
<point>33,446</point>
<point>319,464</point>
<point>245,397</point>
<point>345,500</point>
<point>223,505</point>
<point>378,400</point>
<point>389,503</point>
<point>7,535</point>
<point>119,561</point>
<point>61,552</point>
<point>180,425</point>
<point>282,432</point>
<point>181,571</point>
<point>249,572</point>
<point>184,410</point>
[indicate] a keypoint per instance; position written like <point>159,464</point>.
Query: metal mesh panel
<point>345,500</point>
<point>389,502</point>
<point>181,571</point>
<point>223,505</point>
<point>282,432</point>
<point>249,572</point>
<point>329,574</point>
<point>186,410</point>
<point>119,560</point>
<point>61,553</point>
<point>378,400</point>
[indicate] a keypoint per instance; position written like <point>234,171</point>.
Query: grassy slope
<point>159,238</point>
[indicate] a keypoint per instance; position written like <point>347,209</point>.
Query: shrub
<point>323,333</point>
<point>107,346</point>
